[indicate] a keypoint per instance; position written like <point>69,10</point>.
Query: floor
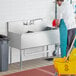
<point>31,64</point>
<point>42,71</point>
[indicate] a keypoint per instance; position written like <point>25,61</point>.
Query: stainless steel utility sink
<point>22,37</point>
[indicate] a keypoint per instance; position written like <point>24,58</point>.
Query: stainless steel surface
<point>20,59</point>
<point>23,37</point>
<point>36,39</point>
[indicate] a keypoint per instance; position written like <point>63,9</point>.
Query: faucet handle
<point>25,23</point>
<point>31,22</point>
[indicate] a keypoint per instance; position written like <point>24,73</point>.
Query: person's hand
<point>57,23</point>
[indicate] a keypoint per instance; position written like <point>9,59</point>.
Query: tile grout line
<point>45,71</point>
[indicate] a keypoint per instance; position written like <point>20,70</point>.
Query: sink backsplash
<point>19,27</point>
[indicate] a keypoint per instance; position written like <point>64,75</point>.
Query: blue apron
<point>63,38</point>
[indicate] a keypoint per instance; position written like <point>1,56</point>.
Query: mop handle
<point>70,48</point>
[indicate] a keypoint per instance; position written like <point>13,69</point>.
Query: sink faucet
<point>32,21</point>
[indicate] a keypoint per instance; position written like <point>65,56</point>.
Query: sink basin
<point>48,28</point>
<point>44,29</point>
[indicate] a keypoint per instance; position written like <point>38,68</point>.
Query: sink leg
<point>56,51</point>
<point>20,59</point>
<point>47,52</point>
<point>48,58</point>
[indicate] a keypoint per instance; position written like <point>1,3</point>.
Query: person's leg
<point>75,35</point>
<point>71,34</point>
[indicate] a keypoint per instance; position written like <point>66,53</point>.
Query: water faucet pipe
<point>32,21</point>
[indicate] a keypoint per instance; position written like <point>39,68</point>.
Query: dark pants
<point>71,34</point>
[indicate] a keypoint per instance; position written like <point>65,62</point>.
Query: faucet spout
<point>32,21</point>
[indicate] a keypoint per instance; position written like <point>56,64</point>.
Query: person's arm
<point>57,23</point>
<point>59,16</point>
